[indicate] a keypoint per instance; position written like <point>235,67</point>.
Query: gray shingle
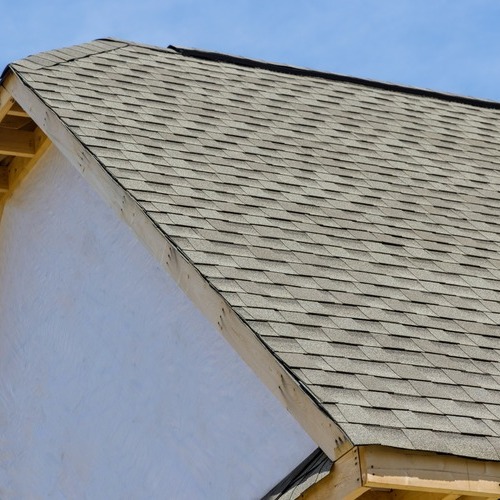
<point>354,227</point>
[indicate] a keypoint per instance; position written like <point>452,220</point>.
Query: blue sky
<point>449,45</point>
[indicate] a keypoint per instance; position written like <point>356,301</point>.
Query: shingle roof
<point>353,225</point>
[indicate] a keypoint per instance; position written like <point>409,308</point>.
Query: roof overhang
<point>378,472</point>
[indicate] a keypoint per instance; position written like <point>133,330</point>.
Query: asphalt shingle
<point>353,225</point>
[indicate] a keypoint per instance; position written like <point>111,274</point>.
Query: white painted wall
<point>112,385</point>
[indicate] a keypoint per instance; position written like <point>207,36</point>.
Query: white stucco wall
<point>112,385</point>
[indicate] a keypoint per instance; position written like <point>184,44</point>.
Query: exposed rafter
<point>17,143</point>
<point>16,110</point>
<point>6,103</point>
<point>21,144</point>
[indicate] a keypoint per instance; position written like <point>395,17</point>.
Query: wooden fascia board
<point>377,472</point>
<point>295,399</point>
<point>383,467</point>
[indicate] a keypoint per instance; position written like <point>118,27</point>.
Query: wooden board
<point>17,143</point>
<point>16,110</point>
<point>378,472</point>
<point>383,467</point>
<point>343,482</point>
<point>6,101</point>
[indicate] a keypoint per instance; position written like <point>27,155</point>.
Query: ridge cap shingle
<point>270,66</point>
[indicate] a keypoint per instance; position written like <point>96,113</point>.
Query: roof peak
<point>283,68</point>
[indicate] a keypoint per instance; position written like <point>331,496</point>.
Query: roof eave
<point>401,474</point>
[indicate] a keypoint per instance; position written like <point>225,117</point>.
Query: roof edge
<point>302,71</point>
<point>157,48</point>
<point>8,69</point>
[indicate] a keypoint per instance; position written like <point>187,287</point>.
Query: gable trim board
<point>285,385</point>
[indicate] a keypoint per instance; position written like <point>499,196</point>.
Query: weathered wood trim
<point>383,467</point>
<point>404,495</point>
<point>281,383</point>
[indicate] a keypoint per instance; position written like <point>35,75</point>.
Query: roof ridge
<point>303,71</point>
<point>33,58</point>
<point>158,48</point>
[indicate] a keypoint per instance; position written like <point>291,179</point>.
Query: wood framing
<point>22,143</point>
<point>378,472</point>
<point>251,349</point>
<point>389,468</point>
<point>17,143</point>
<point>6,103</point>
<point>16,110</point>
<point>343,482</point>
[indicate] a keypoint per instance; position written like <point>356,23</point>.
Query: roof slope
<point>353,226</point>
